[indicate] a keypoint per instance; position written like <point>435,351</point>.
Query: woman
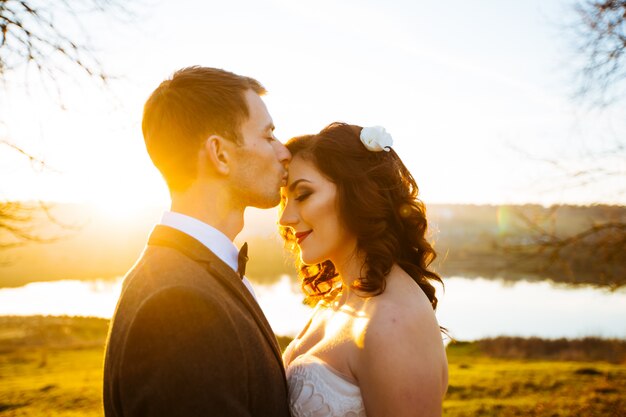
<point>373,345</point>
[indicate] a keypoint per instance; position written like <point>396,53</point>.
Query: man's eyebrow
<point>295,184</point>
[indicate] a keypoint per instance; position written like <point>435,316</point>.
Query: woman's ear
<point>216,154</point>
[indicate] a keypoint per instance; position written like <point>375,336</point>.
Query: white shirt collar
<point>216,241</point>
<point>209,236</point>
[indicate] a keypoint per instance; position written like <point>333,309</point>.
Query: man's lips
<point>300,236</point>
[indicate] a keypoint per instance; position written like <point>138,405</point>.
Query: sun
<point>126,205</point>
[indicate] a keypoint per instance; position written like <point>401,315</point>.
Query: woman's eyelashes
<point>303,196</point>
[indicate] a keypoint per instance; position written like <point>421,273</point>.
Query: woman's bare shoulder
<point>401,362</point>
<point>402,313</point>
<point>402,302</point>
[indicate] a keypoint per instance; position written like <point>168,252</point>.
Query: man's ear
<point>217,154</point>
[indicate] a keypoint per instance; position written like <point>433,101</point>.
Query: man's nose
<point>284,156</point>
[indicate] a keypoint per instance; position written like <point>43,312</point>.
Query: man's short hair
<point>183,111</point>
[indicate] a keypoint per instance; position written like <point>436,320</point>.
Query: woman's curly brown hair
<point>377,202</point>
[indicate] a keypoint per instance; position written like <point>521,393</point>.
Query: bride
<point>373,345</point>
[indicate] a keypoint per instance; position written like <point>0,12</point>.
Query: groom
<point>188,337</point>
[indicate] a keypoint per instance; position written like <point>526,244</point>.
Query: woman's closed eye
<point>303,196</point>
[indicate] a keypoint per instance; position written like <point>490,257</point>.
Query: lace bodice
<point>318,390</point>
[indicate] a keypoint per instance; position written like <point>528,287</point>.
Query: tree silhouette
<point>601,37</point>
<point>47,37</point>
<point>599,246</point>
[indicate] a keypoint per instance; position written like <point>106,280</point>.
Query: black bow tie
<point>242,258</point>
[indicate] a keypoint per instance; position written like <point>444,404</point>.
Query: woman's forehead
<point>302,169</point>
<point>304,172</point>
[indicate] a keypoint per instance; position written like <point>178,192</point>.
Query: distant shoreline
<point>470,240</point>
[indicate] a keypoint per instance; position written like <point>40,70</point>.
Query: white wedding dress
<point>318,390</point>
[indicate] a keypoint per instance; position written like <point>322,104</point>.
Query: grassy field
<point>51,366</point>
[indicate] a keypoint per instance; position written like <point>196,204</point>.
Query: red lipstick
<point>300,236</point>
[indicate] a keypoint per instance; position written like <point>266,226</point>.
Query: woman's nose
<point>288,217</point>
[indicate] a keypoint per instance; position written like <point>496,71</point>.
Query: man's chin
<point>266,203</point>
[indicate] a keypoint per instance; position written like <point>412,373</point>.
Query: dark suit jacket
<point>188,339</point>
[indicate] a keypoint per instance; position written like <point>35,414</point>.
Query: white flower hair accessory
<point>376,139</point>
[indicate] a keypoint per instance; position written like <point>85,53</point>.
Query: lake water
<point>470,308</point>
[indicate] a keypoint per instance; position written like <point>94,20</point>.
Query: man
<point>188,337</point>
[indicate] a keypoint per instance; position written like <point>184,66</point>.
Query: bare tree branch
<point>36,162</point>
<point>43,35</point>
<point>30,35</point>
<point>599,246</point>
<point>601,35</point>
<point>552,246</point>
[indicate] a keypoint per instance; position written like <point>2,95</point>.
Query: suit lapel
<point>170,237</point>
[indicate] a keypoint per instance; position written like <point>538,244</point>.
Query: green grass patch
<point>484,385</point>
<point>52,366</point>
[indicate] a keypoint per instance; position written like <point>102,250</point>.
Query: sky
<point>477,95</point>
